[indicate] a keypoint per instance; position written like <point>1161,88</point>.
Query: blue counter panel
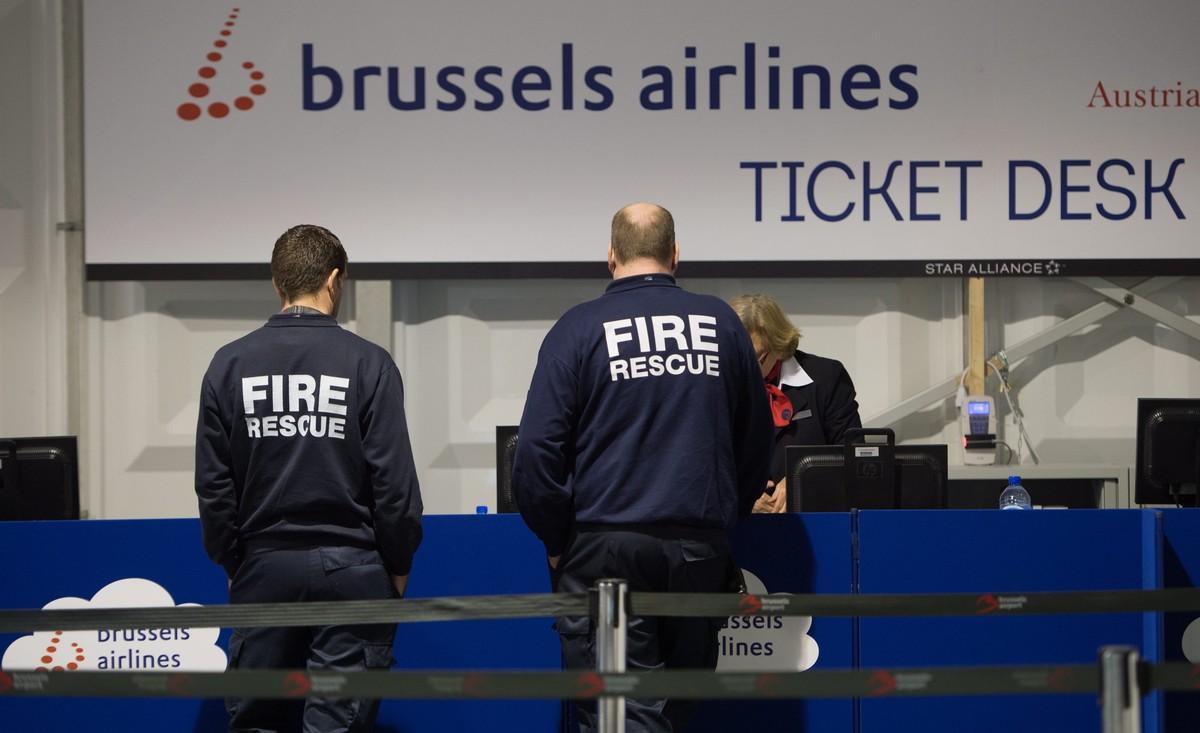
<point>795,553</point>
<point>994,551</point>
<point>1181,569</point>
<point>461,555</point>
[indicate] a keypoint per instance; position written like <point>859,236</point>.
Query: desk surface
<point>1042,470</point>
<point>1117,493</point>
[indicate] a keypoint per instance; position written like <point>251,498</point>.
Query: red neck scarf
<point>781,406</point>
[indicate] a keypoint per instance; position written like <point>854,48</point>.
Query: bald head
<point>643,231</point>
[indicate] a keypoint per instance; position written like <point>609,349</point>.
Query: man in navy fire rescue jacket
<point>646,433</point>
<point>306,483</point>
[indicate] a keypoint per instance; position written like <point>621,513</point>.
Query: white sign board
<point>457,132</point>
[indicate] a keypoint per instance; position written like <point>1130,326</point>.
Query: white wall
<point>467,348</point>
<point>1080,396</point>
<point>33,318</point>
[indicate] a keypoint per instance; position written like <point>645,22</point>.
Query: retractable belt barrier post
<point>610,648</point>
<point>1120,691</point>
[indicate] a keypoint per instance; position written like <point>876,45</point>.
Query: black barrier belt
<point>1173,676</point>
<point>300,614</point>
<point>571,604</point>
<point>441,685</point>
<point>919,604</point>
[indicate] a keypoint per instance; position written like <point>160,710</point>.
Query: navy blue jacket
<point>302,442</point>
<point>646,407</point>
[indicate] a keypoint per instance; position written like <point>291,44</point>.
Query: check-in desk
<point>867,552</point>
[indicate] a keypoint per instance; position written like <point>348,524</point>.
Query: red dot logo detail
<point>297,684</point>
<point>589,684</point>
<point>74,653</point>
<point>750,605</point>
<point>986,603</point>
<point>882,682</point>
<point>219,109</point>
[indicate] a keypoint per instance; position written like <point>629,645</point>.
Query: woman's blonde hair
<point>763,317</point>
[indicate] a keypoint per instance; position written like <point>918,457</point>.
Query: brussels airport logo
<point>106,650</point>
<point>752,643</point>
<point>201,91</point>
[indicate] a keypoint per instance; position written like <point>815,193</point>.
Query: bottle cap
<point>1014,480</point>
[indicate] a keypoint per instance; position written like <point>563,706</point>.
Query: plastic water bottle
<point>1015,496</point>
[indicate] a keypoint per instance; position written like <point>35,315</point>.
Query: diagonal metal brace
<point>1117,298</point>
<point>1132,298</point>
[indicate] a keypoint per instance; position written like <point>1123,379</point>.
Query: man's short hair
<point>643,231</point>
<point>303,258</point>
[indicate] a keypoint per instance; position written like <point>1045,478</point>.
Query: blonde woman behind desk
<point>812,398</point>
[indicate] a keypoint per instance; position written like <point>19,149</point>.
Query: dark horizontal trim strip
<point>696,268</point>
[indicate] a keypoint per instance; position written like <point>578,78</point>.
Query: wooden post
<point>976,369</point>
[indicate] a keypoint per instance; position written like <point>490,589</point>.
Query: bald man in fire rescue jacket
<point>306,484</point>
<point>646,434</point>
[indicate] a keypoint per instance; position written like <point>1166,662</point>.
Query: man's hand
<point>773,500</point>
<point>553,560</point>
<point>400,582</point>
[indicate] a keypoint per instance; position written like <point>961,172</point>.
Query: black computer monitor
<point>506,450</point>
<point>39,478</point>
<point>1168,451</point>
<point>866,475</point>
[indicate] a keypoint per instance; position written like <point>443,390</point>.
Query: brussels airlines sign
<point>534,88</point>
<point>778,134</point>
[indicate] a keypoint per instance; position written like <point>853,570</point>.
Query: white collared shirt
<point>791,374</point>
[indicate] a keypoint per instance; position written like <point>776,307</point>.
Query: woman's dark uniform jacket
<point>823,406</point>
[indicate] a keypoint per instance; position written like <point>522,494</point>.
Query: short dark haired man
<point>306,483</point>
<point>645,435</point>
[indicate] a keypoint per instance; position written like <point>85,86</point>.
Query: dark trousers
<point>651,559</point>
<point>320,574</point>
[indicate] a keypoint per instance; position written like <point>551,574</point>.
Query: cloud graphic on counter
<point>124,650</point>
<point>1191,642</point>
<point>766,643</point>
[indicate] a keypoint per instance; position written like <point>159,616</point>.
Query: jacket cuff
<point>231,563</point>
<point>398,565</point>
<point>556,543</point>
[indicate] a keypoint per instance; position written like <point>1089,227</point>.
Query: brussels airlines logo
<point>751,643</point>
<point>200,90</point>
<point>157,649</point>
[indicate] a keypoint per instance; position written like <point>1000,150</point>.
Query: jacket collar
<point>284,320</point>
<point>791,374</point>
<point>660,279</point>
